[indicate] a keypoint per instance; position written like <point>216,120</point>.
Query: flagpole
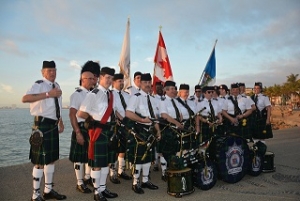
<point>201,78</point>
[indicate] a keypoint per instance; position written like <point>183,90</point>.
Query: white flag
<point>124,62</point>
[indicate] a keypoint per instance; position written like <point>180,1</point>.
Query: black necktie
<point>176,110</point>
<point>122,100</point>
<point>212,111</point>
<point>255,99</point>
<point>150,107</point>
<point>191,113</point>
<point>57,108</point>
<point>112,115</point>
<point>237,110</point>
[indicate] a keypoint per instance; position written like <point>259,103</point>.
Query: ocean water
<point>15,130</point>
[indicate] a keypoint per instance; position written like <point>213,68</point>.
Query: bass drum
<point>180,182</point>
<point>204,175</point>
<point>231,155</point>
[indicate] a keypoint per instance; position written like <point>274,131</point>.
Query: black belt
<point>40,119</point>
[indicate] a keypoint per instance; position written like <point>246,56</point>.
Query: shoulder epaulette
<point>137,94</point>
<point>215,99</point>
<point>39,81</point>
<point>95,91</point>
<point>152,96</point>
<point>125,92</point>
<point>244,96</point>
<point>163,98</point>
<point>129,87</point>
<point>78,90</point>
<point>192,98</point>
<point>56,83</point>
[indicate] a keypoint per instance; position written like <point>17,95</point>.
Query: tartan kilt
<point>49,150</point>
<point>206,132</point>
<point>261,130</point>
<point>242,129</point>
<point>136,151</point>
<point>103,155</point>
<point>79,153</point>
<point>122,140</point>
<point>168,144</point>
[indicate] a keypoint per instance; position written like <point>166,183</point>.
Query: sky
<point>258,40</point>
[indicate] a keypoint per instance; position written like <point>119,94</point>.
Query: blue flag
<point>209,74</point>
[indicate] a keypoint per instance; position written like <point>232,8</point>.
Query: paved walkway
<point>284,184</point>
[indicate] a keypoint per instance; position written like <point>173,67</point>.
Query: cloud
<point>75,65</point>
<point>7,88</point>
<point>10,47</point>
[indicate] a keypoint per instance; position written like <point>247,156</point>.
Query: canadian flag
<point>162,67</point>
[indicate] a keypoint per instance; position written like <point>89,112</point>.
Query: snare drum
<point>204,175</point>
<point>231,154</point>
<point>180,182</point>
<point>268,165</point>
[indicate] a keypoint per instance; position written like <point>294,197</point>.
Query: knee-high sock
<point>104,173</point>
<point>87,171</point>
<point>146,168</point>
<point>79,172</point>
<point>48,171</point>
<point>121,167</point>
<point>96,175</point>
<point>37,175</point>
<point>136,174</point>
<point>163,164</point>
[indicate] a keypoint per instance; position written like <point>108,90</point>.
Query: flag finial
<point>160,27</point>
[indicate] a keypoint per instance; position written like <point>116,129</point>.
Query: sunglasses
<point>208,92</point>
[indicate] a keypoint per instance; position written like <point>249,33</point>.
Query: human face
<point>208,94</point>
<point>49,74</point>
<point>106,80</point>
<point>234,91</point>
<point>87,80</point>
<point>118,84</point>
<point>257,89</point>
<point>146,86</point>
<point>242,89</point>
<point>159,89</point>
<point>95,80</point>
<point>137,81</point>
<point>198,92</point>
<point>184,94</point>
<point>171,91</point>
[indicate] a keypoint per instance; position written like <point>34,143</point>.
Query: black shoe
<point>164,178</point>
<point>137,189</point>
<point>39,198</point>
<point>99,197</point>
<point>83,188</point>
<point>106,193</point>
<point>125,176</point>
<point>114,180</point>
<point>88,182</point>
<point>149,185</point>
<point>54,195</point>
<point>155,169</point>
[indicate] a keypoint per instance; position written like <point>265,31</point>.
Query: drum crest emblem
<point>183,181</point>
<point>234,159</point>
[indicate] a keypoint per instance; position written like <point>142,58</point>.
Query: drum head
<point>205,174</point>
<point>232,158</point>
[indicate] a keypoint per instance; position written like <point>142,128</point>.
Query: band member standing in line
<point>98,107</point>
<point>79,140</point>
<point>169,110</point>
<point>262,115</point>
<point>123,97</point>
<point>45,105</point>
<point>210,115</point>
<point>136,84</point>
<point>141,106</point>
<point>236,110</point>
